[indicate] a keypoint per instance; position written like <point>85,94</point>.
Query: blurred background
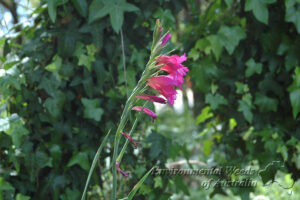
<point>62,88</point>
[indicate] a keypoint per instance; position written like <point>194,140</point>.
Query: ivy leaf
<point>5,185</point>
<point>42,160</point>
<point>294,90</point>
<point>295,101</point>
<point>114,8</point>
<point>97,9</point>
<point>207,146</point>
<point>54,105</point>
<point>81,7</point>
<point>86,61</point>
<point>22,197</point>
<point>259,9</point>
<point>91,109</point>
<point>230,37</point>
<point>216,45</point>
<point>253,67</point>
<point>83,59</point>
<point>215,100</point>
<point>116,19</point>
<point>246,110</point>
<point>55,65</point>
<point>241,88</point>
<point>116,14</point>
<point>228,3</point>
<point>269,172</point>
<point>81,159</point>
<point>70,194</point>
<point>266,103</point>
<point>292,14</point>
<point>52,9</point>
<point>204,115</point>
<point>16,132</point>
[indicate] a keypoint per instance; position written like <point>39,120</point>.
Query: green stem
<point>120,156</point>
<point>124,116</point>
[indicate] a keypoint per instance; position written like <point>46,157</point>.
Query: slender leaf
<point>94,165</point>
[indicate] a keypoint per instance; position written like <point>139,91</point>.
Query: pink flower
<point>174,59</point>
<point>146,111</point>
<point>135,144</point>
<point>166,39</point>
<point>164,85</point>
<point>172,64</point>
<point>151,98</point>
<point>126,174</point>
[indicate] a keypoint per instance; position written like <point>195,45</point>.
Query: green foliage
<point>259,9</point>
<point>253,67</point>
<point>253,90</point>
<point>64,88</point>
<point>91,110</point>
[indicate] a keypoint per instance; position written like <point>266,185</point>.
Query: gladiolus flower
<point>146,111</point>
<point>172,64</point>
<point>164,85</point>
<point>135,144</point>
<point>126,174</point>
<point>166,39</point>
<point>151,98</point>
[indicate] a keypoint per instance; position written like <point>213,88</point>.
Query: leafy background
<point>62,88</point>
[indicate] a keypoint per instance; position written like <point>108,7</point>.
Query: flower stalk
<point>163,84</point>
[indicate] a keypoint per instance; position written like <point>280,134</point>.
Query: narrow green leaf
<point>138,185</point>
<point>94,165</point>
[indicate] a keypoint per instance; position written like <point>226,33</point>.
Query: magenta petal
<point>145,110</point>
<point>166,39</point>
<point>172,64</point>
<point>126,174</point>
<point>135,144</point>
<point>164,85</point>
<point>151,98</point>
